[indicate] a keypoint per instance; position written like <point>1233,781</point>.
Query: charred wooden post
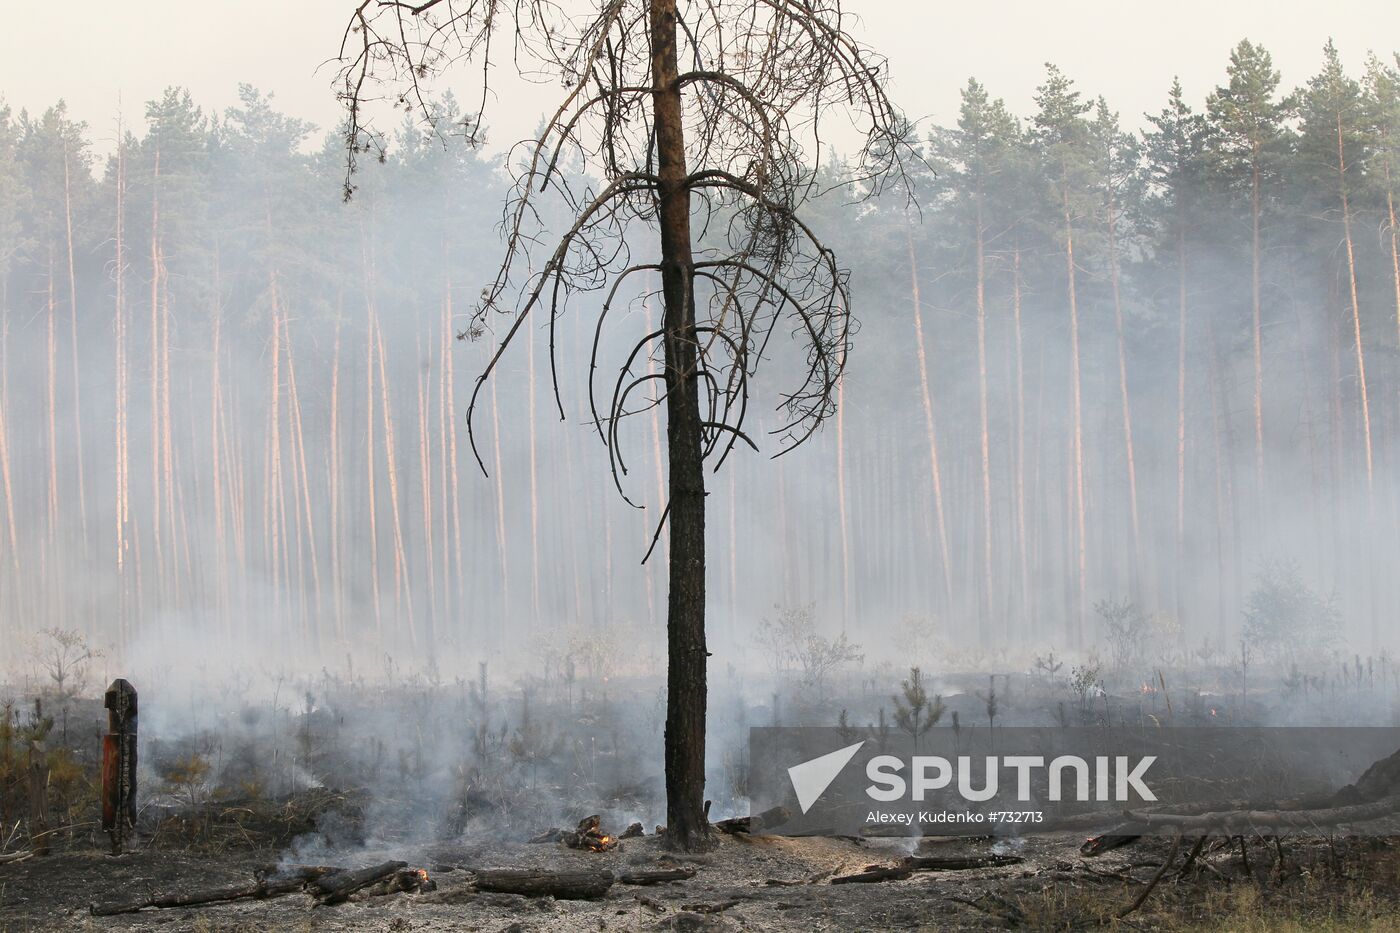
<point>119,763</point>
<point>38,773</point>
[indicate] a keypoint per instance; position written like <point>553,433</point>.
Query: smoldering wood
<point>562,885</point>
<point>907,867</point>
<point>334,888</point>
<point>405,880</point>
<point>633,831</point>
<point>1122,835</point>
<point>589,836</point>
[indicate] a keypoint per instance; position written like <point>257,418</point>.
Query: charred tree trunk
<point>685,611</point>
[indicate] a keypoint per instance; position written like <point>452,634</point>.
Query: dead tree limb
<point>1192,855</point>
<point>1142,898</point>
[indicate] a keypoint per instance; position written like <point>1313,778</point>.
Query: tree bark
<point>685,610</point>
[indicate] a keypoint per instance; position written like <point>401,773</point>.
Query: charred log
<point>768,819</point>
<point>656,876</point>
<point>234,892</point>
<point>564,885</point>
<point>334,888</point>
<point>1122,835</point>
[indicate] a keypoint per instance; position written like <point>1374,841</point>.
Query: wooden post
<point>38,774</point>
<point>119,763</point>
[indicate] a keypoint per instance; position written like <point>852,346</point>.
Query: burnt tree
<point>697,129</point>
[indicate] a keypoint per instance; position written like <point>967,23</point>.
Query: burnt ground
<point>756,883</point>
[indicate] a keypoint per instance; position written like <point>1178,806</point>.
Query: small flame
<point>1212,710</point>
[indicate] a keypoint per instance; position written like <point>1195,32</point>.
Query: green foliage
<point>914,713</point>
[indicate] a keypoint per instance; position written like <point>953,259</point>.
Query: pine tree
<point>1175,152</point>
<point>1250,141</point>
<point>1062,138</point>
<point>976,156</point>
<point>1116,159</point>
<point>1333,149</point>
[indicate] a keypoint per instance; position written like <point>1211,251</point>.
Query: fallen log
<point>774,816</point>
<point>633,831</point>
<point>1234,821</point>
<point>908,866</point>
<point>656,876</point>
<point>335,888</point>
<point>15,857</point>
<point>563,885</point>
<point>1097,818</point>
<point>259,890</point>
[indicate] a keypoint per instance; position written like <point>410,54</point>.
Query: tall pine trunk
<point>81,467</point>
<point>685,608</point>
<point>1125,397</point>
<point>1355,307</point>
<point>983,428</point>
<point>930,429</point>
<point>1076,627</point>
<point>1256,173</point>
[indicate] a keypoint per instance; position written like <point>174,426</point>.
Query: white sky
<point>95,53</point>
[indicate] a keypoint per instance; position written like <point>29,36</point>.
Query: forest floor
<point>754,883</point>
